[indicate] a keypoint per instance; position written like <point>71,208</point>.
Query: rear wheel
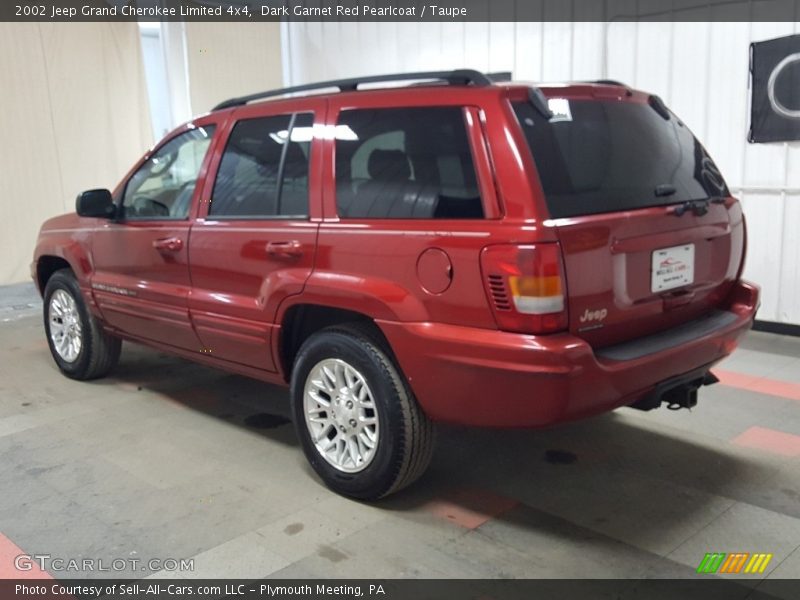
<point>361,428</point>
<point>79,345</point>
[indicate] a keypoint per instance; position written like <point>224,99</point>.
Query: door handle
<point>290,249</point>
<point>171,244</point>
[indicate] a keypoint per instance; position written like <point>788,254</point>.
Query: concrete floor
<point>167,459</point>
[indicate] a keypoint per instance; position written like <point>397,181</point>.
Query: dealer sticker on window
<point>672,267</point>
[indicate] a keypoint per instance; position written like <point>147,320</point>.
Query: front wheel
<point>360,426</point>
<point>80,347</point>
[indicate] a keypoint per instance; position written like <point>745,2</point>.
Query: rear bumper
<point>491,378</point>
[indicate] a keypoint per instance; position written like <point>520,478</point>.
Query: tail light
<point>526,287</point>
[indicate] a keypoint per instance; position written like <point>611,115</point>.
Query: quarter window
<point>163,186</point>
<point>264,169</point>
<point>408,163</point>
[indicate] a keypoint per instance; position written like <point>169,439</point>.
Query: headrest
<point>389,165</point>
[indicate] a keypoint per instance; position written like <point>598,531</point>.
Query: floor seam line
<point>703,528</point>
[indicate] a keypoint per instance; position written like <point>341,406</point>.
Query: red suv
<point>459,250</point>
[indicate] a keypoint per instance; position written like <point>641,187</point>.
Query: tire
<point>94,352</point>
<point>384,404</point>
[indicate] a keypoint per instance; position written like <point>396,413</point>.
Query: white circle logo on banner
<point>777,106</point>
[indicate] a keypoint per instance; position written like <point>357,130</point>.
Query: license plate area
<point>672,268</point>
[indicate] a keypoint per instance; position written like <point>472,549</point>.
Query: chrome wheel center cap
<point>345,412</point>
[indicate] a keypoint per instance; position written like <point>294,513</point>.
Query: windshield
<point>603,156</point>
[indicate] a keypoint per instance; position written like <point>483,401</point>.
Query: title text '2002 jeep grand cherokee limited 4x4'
<point>460,250</point>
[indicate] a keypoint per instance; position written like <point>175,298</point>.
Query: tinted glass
<point>162,188</point>
<point>409,163</point>
<point>264,169</point>
<point>603,156</point>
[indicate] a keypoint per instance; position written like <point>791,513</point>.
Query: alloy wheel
<point>341,415</point>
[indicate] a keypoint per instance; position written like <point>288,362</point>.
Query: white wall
<point>700,69</point>
<point>228,60</point>
<point>155,69</point>
<point>191,67</point>
<point>76,99</point>
<point>74,116</point>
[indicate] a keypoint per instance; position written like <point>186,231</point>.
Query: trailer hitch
<point>678,392</point>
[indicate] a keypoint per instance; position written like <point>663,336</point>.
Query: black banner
<point>707,588</point>
<point>399,10</point>
<point>775,105</point>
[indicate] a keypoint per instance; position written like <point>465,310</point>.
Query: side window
<point>162,188</point>
<point>405,163</point>
<point>264,169</point>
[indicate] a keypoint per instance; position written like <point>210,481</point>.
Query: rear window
<point>264,169</point>
<point>603,156</point>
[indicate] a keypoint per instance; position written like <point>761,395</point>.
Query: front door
<point>141,269</point>
<point>256,244</point>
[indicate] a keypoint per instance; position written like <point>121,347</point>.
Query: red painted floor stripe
<point>771,440</point>
<point>9,551</point>
<point>470,508</point>
<point>761,385</point>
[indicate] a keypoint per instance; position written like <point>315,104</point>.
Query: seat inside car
<point>180,206</point>
<point>390,191</point>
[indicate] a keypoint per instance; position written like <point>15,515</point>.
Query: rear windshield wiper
<point>700,206</point>
<point>664,189</point>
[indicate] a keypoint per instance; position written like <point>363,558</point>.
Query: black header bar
<point>399,10</point>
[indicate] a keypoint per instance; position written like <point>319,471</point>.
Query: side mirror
<point>95,203</point>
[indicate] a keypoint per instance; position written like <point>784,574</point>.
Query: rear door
<point>254,242</point>
<point>649,233</point>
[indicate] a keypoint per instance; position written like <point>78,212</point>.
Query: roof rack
<point>609,82</point>
<point>500,76</point>
<point>457,77</point>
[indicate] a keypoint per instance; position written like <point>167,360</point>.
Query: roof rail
<point>457,77</point>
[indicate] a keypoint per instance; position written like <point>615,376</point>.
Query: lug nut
<point>353,423</point>
<point>349,404</point>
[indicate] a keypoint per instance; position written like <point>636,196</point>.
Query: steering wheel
<point>143,206</point>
